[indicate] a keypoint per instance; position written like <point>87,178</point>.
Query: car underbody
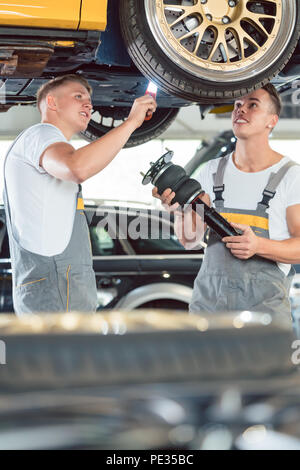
<point>131,50</point>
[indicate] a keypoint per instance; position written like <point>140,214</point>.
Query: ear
<point>51,104</point>
<point>273,122</point>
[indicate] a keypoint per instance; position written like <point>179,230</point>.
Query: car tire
<point>149,130</point>
<point>160,56</point>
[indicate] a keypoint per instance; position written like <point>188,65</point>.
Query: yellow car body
<point>57,14</point>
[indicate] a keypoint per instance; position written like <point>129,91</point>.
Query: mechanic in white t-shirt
<point>258,191</point>
<point>48,232</point>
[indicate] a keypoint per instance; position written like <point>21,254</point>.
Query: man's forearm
<point>92,158</point>
<point>179,231</point>
<point>285,251</point>
<point>189,229</point>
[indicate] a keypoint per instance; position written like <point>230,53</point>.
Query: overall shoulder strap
<point>273,183</point>
<point>218,177</point>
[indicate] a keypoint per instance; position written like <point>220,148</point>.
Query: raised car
<point>196,51</point>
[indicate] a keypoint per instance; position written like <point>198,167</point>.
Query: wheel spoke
<point>261,26</point>
<point>197,44</point>
<point>241,33</point>
<point>190,8</point>
<point>239,44</point>
<point>186,11</point>
<point>200,30</point>
<point>225,45</point>
<point>256,23</point>
<point>250,39</point>
<point>218,45</point>
<point>187,35</point>
<point>255,15</point>
<point>214,48</point>
<point>180,18</point>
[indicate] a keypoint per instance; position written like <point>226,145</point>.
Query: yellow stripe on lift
<point>245,219</point>
<point>80,204</point>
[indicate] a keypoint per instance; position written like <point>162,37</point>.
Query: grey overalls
<point>226,283</point>
<point>58,283</point>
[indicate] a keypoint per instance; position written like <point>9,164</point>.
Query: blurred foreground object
<point>147,379</point>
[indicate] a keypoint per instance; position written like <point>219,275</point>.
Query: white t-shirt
<point>42,207</point>
<point>244,190</point>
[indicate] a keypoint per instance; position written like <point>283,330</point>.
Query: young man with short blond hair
<point>48,232</point>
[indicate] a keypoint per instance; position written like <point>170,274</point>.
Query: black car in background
<point>151,272</point>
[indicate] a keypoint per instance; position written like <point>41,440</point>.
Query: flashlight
<point>151,90</point>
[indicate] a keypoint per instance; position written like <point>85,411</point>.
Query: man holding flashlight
<point>258,191</point>
<point>48,232</point>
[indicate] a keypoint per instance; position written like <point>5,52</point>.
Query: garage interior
<point>184,137</point>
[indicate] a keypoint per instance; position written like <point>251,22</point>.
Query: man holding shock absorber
<point>258,191</point>
<point>48,233</point>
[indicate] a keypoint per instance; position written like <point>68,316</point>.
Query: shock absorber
<point>164,174</point>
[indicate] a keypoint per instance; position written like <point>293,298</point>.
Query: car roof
<point>121,204</point>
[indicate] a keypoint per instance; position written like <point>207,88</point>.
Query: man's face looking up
<point>254,114</point>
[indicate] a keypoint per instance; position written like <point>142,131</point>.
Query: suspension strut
<point>164,174</point>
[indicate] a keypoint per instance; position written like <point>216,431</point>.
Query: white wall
<point>121,180</point>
